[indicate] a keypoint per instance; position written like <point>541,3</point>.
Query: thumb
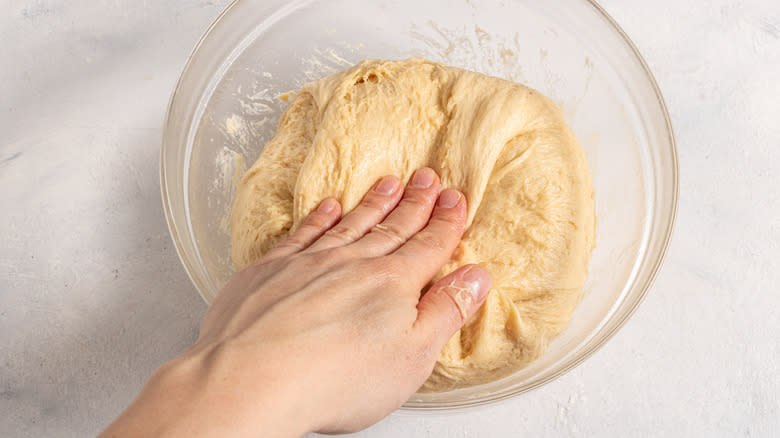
<point>450,302</point>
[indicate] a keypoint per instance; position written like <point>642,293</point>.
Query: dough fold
<point>508,148</point>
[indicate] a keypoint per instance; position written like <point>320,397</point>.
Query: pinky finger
<point>315,225</point>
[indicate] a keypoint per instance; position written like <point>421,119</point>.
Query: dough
<point>505,146</point>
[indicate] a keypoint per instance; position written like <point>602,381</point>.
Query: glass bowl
<point>229,98</point>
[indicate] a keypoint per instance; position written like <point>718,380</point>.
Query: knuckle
<point>417,201</point>
<point>282,249</point>
<point>326,258</point>
<point>339,254</point>
<point>431,240</point>
<point>394,264</point>
<point>292,242</point>
<point>308,229</point>
<point>343,232</point>
<point>392,270</point>
<point>315,221</point>
<point>458,300</point>
<point>376,203</point>
<point>391,232</point>
<point>393,280</point>
<point>449,219</point>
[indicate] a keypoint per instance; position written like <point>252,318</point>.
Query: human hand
<point>328,331</point>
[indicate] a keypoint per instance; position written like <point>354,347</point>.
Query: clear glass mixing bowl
<point>226,106</point>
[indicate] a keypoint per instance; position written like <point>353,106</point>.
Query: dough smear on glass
<point>508,148</point>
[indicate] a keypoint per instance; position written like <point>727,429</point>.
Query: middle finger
<point>377,203</point>
<point>409,217</point>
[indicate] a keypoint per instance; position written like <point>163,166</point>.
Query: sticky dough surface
<point>505,146</point>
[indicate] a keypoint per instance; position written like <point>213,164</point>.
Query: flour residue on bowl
<point>501,55</point>
<point>257,105</point>
<point>472,48</point>
<point>230,167</point>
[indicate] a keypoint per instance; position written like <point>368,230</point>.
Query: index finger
<point>428,250</point>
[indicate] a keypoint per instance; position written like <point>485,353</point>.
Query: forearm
<point>185,398</point>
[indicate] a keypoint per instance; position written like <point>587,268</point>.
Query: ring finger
<point>377,203</point>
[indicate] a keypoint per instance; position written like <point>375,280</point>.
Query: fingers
<point>450,302</point>
<point>428,250</point>
<point>372,209</point>
<point>318,222</point>
<point>409,217</point>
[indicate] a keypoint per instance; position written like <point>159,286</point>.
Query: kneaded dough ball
<point>505,146</point>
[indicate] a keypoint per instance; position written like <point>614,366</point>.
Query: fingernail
<point>423,178</point>
<point>449,198</point>
<point>478,281</point>
<point>387,185</point>
<point>327,205</point>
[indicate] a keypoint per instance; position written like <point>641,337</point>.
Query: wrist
<point>204,394</point>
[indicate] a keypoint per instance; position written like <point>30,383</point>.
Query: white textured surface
<point>93,297</point>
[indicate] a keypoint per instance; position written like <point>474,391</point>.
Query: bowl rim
<point>164,191</point>
<point>468,404</point>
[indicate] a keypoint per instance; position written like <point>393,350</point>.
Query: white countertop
<point>93,297</point>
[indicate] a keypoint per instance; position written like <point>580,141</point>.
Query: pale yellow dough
<point>508,148</point>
